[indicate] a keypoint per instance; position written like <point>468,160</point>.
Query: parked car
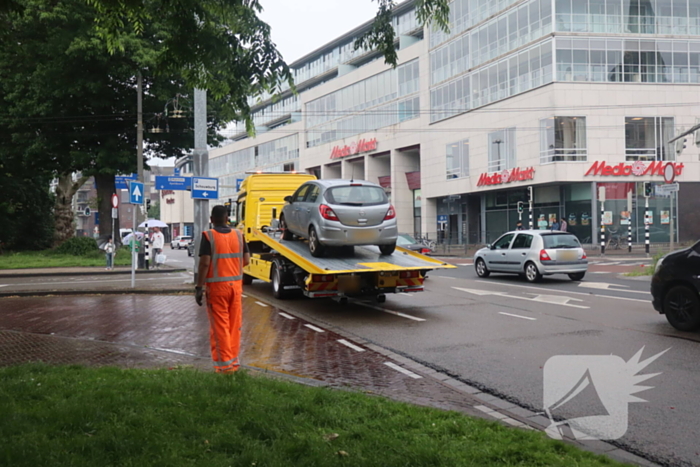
<point>407,241</point>
<point>340,213</point>
<point>181,241</point>
<point>533,254</point>
<point>675,288</point>
<point>190,248</point>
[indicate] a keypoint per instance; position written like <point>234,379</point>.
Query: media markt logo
<point>605,382</point>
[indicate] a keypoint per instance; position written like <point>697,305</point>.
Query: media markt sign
<point>637,168</point>
<point>363,145</point>
<point>506,176</point>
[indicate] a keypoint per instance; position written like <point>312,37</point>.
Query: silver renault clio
<point>340,213</point>
<point>533,254</point>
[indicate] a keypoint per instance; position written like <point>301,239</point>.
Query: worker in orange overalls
<point>222,255</point>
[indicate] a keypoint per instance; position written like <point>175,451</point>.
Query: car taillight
<point>544,256</point>
<point>424,251</point>
<point>390,214</point>
<point>584,255</point>
<point>327,213</point>
<point>322,278</point>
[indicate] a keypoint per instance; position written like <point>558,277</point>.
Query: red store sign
<point>507,176</point>
<point>357,147</point>
<point>637,168</point>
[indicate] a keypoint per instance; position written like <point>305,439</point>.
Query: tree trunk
<point>63,207</point>
<point>105,190</point>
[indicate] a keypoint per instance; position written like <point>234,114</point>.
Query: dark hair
<point>219,214</point>
<point>109,238</point>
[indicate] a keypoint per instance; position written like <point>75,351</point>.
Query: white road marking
<point>517,316</point>
<point>262,304</point>
<point>244,295</point>
<point>611,264</point>
<point>314,328</point>
<point>351,345</point>
<point>404,293</point>
<point>601,272</point>
<point>402,370</point>
<point>570,292</point>
<point>464,264</point>
<point>285,315</point>
<point>607,286</point>
<point>4,285</point>
<point>397,313</point>
<point>445,277</point>
<point>551,299</point>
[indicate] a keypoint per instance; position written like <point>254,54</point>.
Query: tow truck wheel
<point>315,247</point>
<point>286,234</point>
<point>277,286</point>
<point>247,280</point>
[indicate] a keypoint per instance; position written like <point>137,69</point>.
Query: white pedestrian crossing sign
<point>135,192</point>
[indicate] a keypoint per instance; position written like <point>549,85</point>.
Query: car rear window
<point>555,241</point>
<point>358,195</point>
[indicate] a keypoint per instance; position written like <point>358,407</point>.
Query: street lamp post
<point>200,168</point>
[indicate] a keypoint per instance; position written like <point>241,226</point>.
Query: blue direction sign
<point>205,188</point>
<point>135,192</point>
<point>120,181</point>
<point>173,183</point>
<point>442,218</point>
<point>238,184</point>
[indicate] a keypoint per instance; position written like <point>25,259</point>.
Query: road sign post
<point>601,198</point>
<point>629,225</point>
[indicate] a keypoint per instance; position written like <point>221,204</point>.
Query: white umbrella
<point>153,223</point>
<point>127,238</point>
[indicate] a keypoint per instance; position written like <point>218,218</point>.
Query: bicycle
<point>427,242</point>
<point>615,240</point>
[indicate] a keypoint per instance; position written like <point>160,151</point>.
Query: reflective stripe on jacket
<point>226,256</point>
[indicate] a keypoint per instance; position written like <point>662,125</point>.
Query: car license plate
<point>349,284</point>
<point>567,255</point>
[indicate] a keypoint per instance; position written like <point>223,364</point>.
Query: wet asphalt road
<point>498,333</point>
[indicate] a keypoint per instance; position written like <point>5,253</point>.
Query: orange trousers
<point>225,310</point>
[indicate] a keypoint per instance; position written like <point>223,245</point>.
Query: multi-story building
<point>564,96</point>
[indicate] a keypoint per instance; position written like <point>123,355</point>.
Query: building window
<point>457,159</point>
<point>563,139</point>
<point>502,153</point>
<point>646,137</point>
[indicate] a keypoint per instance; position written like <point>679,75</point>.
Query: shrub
<point>78,246</point>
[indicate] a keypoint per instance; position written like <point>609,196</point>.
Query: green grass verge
<point>50,259</point>
<point>646,270</point>
<point>81,416</point>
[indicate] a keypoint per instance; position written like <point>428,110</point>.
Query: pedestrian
<point>109,253</point>
<point>519,226</point>
<point>555,225</point>
<point>222,255</point>
<point>158,241</point>
<point>563,225</point>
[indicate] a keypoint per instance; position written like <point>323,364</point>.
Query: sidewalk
<point>82,271</point>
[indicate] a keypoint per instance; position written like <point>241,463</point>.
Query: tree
<point>70,104</point>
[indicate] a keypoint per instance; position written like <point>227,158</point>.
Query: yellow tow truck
<point>361,271</point>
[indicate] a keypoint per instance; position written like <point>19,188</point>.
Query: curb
<point>49,293</point>
<point>88,273</point>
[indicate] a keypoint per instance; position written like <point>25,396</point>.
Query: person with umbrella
<point>158,243</point>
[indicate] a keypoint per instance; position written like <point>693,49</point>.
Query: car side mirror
<point>288,199</point>
<point>489,246</point>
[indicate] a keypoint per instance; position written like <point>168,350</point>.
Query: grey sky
<point>301,26</point>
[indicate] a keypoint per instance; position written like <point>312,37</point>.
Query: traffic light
<point>647,189</point>
<point>530,198</point>
<point>680,145</point>
<point>520,207</point>
<point>148,204</point>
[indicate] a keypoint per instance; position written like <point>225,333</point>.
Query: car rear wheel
<point>577,276</point>
<point>286,234</point>
<point>481,269</point>
<point>315,247</point>
<point>387,249</point>
<point>682,308</point>
<point>532,274</point>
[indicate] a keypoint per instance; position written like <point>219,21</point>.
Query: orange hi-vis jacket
<point>224,305</point>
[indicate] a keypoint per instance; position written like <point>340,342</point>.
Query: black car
<point>675,288</point>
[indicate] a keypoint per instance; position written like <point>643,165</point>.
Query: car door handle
<point>524,254</point>
<point>503,254</point>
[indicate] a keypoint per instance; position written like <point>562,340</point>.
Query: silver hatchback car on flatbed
<point>533,254</point>
<point>340,213</point>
